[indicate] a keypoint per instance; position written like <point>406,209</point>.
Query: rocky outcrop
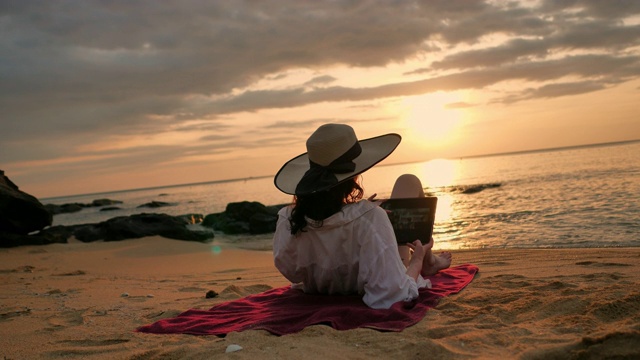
<point>20,213</point>
<point>238,218</point>
<point>129,227</point>
<point>244,217</point>
<point>75,207</point>
<point>64,208</point>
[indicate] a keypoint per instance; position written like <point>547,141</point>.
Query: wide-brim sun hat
<point>334,154</point>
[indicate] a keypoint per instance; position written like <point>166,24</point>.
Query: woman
<point>331,242</point>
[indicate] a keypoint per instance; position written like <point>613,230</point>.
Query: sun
<point>429,120</point>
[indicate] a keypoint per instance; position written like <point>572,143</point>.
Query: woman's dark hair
<point>319,206</point>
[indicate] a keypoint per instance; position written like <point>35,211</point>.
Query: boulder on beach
<point>20,213</point>
<point>141,225</point>
<point>191,219</point>
<point>244,217</point>
<point>129,227</point>
<point>64,208</point>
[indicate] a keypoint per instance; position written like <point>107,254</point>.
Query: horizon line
<point>508,153</point>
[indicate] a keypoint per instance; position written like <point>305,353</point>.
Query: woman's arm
<point>386,279</point>
<point>284,252</point>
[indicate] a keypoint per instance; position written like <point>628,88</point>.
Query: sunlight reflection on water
<point>584,197</point>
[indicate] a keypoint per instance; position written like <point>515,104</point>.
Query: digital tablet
<point>412,218</point>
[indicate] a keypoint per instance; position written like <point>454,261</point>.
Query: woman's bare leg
<point>406,186</point>
<point>409,186</point>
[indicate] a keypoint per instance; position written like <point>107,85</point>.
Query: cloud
<point>598,35</point>
<point>459,105</point>
<point>320,80</point>
<point>79,72</point>
<point>554,91</point>
<point>595,8</point>
<point>608,69</point>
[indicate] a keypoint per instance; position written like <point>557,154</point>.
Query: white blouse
<point>354,251</point>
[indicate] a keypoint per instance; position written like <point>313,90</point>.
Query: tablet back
<point>412,218</point>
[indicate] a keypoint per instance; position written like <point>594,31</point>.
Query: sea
<point>578,197</point>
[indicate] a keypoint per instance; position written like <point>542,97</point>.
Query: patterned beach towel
<point>284,310</point>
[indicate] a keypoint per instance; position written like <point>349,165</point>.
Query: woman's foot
<point>436,263</point>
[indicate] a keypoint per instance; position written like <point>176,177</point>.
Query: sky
<point>99,96</point>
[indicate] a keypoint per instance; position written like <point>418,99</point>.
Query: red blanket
<point>284,310</point>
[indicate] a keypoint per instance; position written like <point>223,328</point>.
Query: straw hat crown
<point>334,154</point>
<point>330,142</point>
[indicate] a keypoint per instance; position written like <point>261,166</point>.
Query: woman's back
<point>354,251</point>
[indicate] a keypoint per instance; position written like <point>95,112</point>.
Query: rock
<point>88,232</point>
<point>57,234</point>
<point>210,294</point>
<point>262,223</point>
<point>75,207</point>
<point>191,218</point>
<point>244,210</point>
<point>141,225</point>
<point>233,348</point>
<point>127,227</point>
<point>70,208</point>
<point>211,220</point>
<point>244,217</point>
<point>155,204</point>
<point>20,213</point>
<point>104,202</point>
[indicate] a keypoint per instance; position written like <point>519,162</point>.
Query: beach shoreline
<point>86,300</point>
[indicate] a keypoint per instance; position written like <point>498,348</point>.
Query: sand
<point>85,301</point>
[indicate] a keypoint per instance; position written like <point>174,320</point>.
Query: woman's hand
<point>373,199</point>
